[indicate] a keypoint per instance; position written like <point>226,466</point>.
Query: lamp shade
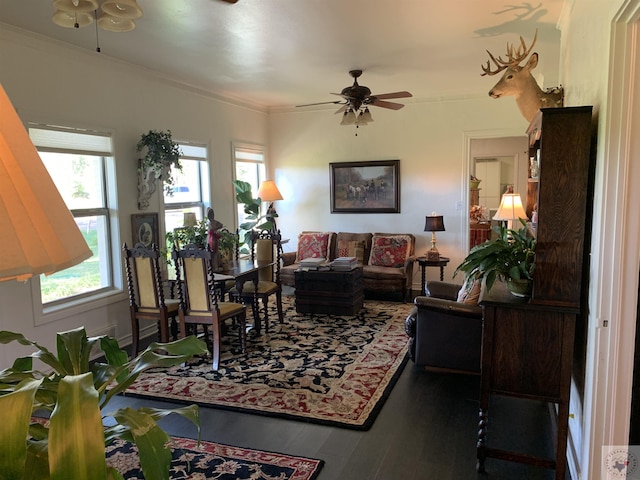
<point>434,223</point>
<point>115,24</point>
<point>510,208</point>
<point>37,231</point>
<point>76,6</point>
<point>268,191</point>
<point>122,8</point>
<point>70,19</point>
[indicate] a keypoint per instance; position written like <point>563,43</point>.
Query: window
<point>250,168</point>
<point>76,161</point>
<point>190,187</point>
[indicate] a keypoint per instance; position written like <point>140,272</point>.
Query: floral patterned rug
<point>329,369</point>
<point>216,461</point>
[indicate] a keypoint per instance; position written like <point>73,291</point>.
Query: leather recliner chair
<point>445,334</point>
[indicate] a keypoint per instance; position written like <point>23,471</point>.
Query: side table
<point>424,263</point>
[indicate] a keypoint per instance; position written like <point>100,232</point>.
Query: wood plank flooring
<point>426,430</point>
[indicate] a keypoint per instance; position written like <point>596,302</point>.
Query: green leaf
<point>43,354</point>
<point>113,353</point>
<point>76,434</point>
<point>37,465</point>
<point>70,346</point>
<point>151,440</point>
<point>173,353</point>
<point>15,416</point>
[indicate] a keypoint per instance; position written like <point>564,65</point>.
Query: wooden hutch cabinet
<point>527,344</point>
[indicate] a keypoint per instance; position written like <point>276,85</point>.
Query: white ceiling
<point>280,53</point>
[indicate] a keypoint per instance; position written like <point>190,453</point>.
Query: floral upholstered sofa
<point>387,258</point>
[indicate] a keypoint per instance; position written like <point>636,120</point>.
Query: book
<point>312,263</point>
<point>344,263</point>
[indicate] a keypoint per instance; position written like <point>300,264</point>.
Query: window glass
<point>189,191</point>
<point>250,168</point>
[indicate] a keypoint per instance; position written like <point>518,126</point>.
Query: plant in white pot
<point>73,392</point>
<point>509,257</point>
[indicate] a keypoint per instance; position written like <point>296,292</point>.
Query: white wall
<point>52,83</point>
<point>603,417</point>
<point>431,140</point>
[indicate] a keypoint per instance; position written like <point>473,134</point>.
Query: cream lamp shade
<point>268,191</point>
<point>37,231</point>
<point>510,209</point>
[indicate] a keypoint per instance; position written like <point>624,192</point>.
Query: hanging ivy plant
<point>162,153</point>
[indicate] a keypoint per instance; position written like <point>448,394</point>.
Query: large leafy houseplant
<point>510,257</point>
<point>253,219</point>
<point>72,444</point>
<point>161,154</point>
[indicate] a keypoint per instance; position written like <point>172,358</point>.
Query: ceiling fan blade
<point>319,103</point>
<point>383,104</point>
<point>383,96</point>
<point>342,108</point>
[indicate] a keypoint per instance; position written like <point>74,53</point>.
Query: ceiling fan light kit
<point>114,15</point>
<point>356,101</point>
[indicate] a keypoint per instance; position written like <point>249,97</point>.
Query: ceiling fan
<point>356,100</point>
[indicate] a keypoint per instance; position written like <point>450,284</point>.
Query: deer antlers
<point>514,57</point>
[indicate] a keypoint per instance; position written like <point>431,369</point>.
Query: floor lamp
<point>268,192</point>
<point>37,231</point>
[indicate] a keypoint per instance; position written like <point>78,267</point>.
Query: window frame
<point>46,312</point>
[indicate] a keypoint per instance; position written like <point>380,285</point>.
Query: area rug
<point>216,461</point>
<point>329,369</point>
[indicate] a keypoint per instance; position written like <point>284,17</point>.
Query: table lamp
<point>268,192</point>
<point>510,209</point>
<point>433,223</point>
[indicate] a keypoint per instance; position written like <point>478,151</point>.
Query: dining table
<point>242,270</point>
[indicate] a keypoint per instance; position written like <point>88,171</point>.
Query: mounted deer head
<point>518,82</point>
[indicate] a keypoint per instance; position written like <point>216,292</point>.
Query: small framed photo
<point>144,229</point>
<point>365,187</point>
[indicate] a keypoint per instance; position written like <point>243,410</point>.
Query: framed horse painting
<point>365,187</point>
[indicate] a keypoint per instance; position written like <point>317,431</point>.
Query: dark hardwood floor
<point>426,430</point>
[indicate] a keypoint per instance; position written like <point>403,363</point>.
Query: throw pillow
<point>351,248</point>
<point>389,250</point>
<point>313,245</point>
<point>470,292</point>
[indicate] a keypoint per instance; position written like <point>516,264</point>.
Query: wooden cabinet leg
<point>482,436</point>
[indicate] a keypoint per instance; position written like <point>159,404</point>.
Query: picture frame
<point>144,229</point>
<point>352,191</point>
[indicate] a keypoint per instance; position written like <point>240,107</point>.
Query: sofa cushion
<point>351,248</point>
<point>389,250</point>
<point>314,245</point>
<point>356,237</point>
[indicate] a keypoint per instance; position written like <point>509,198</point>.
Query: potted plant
<point>196,234</point>
<point>73,392</point>
<point>252,211</point>
<point>162,153</point>
<point>510,258</point>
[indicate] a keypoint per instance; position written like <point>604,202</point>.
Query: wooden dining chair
<point>199,298</point>
<point>146,292</point>
<point>266,246</point>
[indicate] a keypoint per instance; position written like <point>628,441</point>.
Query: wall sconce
<point>37,231</point>
<point>433,223</point>
<point>268,192</point>
<point>510,209</point>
